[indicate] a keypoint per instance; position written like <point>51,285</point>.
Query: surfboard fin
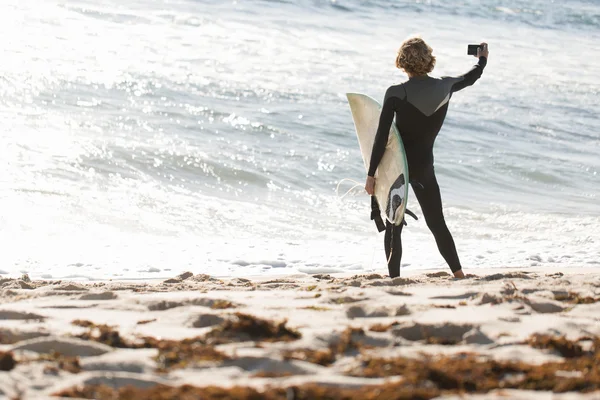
<point>376,215</point>
<point>418,184</point>
<point>412,214</point>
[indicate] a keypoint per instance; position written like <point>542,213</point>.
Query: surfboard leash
<point>337,188</point>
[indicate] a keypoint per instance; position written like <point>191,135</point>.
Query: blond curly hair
<point>415,57</point>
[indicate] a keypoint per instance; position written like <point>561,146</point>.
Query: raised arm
<point>475,73</point>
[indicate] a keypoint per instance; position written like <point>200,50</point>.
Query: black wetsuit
<point>420,105</point>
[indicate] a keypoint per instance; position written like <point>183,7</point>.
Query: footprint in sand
<point>122,360</point>
<point>99,296</point>
<point>438,274</point>
<point>215,304</point>
<point>206,320</point>
<point>270,365</point>
<point>398,293</point>
<point>443,333</point>
<point>72,287</point>
<point>545,307</point>
<point>357,311</point>
<point>462,296</point>
<point>164,305</point>
<point>115,380</point>
<point>18,315</point>
<point>70,347</point>
<point>11,336</point>
<point>509,275</point>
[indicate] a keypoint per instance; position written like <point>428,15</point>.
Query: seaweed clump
<point>245,327</point>
<point>103,334</point>
<point>424,378</point>
<point>184,353</point>
<point>171,353</point>
<point>383,327</point>
<point>304,392</point>
<point>64,363</point>
<point>348,341</point>
<point>467,372</point>
<point>575,298</point>
<point>566,348</point>
<point>7,361</point>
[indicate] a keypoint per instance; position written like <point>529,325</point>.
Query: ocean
<point>144,138</point>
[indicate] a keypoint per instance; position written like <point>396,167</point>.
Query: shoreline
<point>404,272</point>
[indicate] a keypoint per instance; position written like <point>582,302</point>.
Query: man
<point>420,106</point>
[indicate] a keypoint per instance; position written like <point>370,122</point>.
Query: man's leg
<point>393,247</point>
<point>430,201</point>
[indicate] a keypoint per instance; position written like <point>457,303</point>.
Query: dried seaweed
<point>345,300</point>
<point>383,327</point>
<point>103,334</point>
<point>566,348</point>
<point>7,361</point>
<point>273,374</point>
<point>422,378</point>
<point>246,327</point>
<point>469,372</point>
<point>184,353</point>
<point>222,305</point>
<point>328,356</point>
<point>146,321</point>
<point>316,308</point>
<point>304,392</point>
<point>60,362</point>
<point>575,298</point>
<point>171,353</point>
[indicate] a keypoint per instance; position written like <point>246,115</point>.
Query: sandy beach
<point>502,333</point>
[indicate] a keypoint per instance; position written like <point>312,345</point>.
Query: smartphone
<point>472,49</point>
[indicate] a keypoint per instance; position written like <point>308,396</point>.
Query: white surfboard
<point>391,185</point>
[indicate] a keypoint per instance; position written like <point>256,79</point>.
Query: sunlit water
<point>143,138</point>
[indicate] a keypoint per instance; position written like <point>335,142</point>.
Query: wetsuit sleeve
<point>383,131</point>
<point>470,77</point>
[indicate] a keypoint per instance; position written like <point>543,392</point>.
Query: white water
<point>145,138</point>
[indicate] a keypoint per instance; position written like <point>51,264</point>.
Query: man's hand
<point>370,185</point>
<point>482,50</point>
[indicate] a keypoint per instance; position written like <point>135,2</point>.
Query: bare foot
<point>459,274</point>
